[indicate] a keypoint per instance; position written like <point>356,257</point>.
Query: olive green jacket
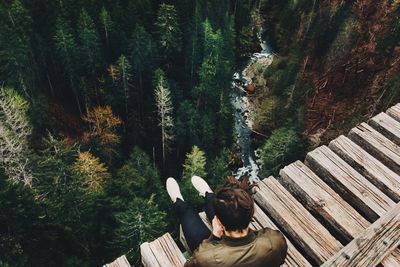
<point>263,248</point>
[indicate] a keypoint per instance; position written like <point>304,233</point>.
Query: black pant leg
<point>193,228</point>
<point>209,209</point>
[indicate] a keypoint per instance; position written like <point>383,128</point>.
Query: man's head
<point>233,205</point>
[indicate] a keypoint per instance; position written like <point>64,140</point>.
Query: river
<point>240,102</point>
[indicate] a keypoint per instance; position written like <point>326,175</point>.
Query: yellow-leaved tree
<point>103,129</point>
<point>92,172</point>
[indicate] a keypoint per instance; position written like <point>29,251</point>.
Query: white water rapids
<point>243,123</point>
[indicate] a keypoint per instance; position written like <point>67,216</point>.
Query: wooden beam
<point>294,257</point>
<point>148,257</point>
<point>304,229</point>
<point>394,112</point>
<point>119,262</point>
<point>371,168</point>
<point>388,126</point>
<point>348,183</point>
<point>322,201</point>
<point>393,260</point>
<point>162,252</point>
<point>377,145</point>
<point>372,245</point>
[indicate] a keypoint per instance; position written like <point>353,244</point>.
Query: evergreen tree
<point>138,177</point>
<point>15,129</point>
<point>123,75</point>
<point>67,51</point>
<point>16,55</point>
<point>194,51</point>
<point>90,51</point>
<point>218,169</point>
<point>207,91</point>
<point>162,96</point>
<point>141,221</point>
<point>107,24</point>
<point>187,124</point>
<point>195,164</point>
<point>281,148</point>
<point>168,30</point>
<point>142,53</point>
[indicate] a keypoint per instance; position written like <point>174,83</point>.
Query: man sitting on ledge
<point>231,242</point>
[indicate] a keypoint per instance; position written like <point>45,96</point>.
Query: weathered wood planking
<point>388,126</point>
<point>320,199</point>
<point>119,262</point>
<point>371,168</point>
<point>148,257</point>
<point>393,260</point>
<point>377,145</point>
<point>294,257</point>
<point>373,244</point>
<point>304,229</point>
<point>348,183</point>
<point>162,252</point>
<point>394,112</point>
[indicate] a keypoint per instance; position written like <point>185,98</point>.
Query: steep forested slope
<point>340,58</point>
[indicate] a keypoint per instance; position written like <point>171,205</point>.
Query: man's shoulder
<point>275,237</point>
<point>204,255</point>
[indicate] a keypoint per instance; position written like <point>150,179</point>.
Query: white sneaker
<point>201,185</point>
<point>173,189</point>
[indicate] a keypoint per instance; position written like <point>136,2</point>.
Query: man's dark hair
<point>234,205</point>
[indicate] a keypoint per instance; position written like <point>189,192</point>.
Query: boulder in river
<point>250,89</point>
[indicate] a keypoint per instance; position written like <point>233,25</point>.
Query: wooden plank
<point>371,168</point>
<point>304,229</point>
<point>119,262</point>
<point>148,257</point>
<point>350,184</point>
<point>320,199</point>
<point>387,126</point>
<point>393,260</point>
<point>160,254</point>
<point>175,256</point>
<point>377,145</point>
<point>294,257</point>
<point>394,112</point>
<point>372,245</point>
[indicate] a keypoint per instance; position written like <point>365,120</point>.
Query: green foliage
<point>106,23</point>
<point>168,30</point>
<point>218,169</point>
<point>16,62</point>
<point>137,178</point>
<point>142,53</point>
<point>141,221</point>
<point>187,124</point>
<point>267,115</point>
<point>90,53</point>
<point>195,164</point>
<point>342,45</point>
<point>280,149</point>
